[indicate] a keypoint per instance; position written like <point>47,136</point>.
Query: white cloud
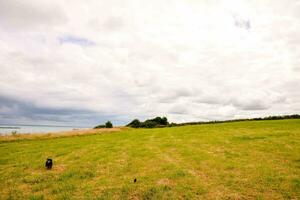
<point>188,60</point>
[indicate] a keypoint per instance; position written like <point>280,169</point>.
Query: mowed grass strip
<point>241,160</point>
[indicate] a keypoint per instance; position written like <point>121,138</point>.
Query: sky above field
<point>85,62</point>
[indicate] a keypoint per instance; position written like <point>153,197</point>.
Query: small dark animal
<point>134,180</point>
<point>49,163</point>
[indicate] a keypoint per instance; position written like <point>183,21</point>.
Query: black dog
<point>49,163</point>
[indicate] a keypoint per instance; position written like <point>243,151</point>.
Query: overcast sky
<point>84,62</point>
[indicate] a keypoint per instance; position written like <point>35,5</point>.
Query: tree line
<point>160,122</point>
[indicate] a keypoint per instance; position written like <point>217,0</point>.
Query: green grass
<point>241,160</point>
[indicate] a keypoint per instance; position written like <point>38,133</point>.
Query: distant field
<point>241,160</point>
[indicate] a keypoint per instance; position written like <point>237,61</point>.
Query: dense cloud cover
<point>86,62</point>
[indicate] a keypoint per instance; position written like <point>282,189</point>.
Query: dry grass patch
<point>71,133</point>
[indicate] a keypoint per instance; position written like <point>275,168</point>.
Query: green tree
<point>134,124</point>
<point>108,124</point>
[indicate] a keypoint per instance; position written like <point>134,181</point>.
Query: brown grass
<point>72,133</point>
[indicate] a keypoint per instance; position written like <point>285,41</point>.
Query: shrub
<point>108,124</point>
<point>14,133</point>
<point>149,123</point>
<point>134,124</point>
<point>99,126</point>
<point>172,124</point>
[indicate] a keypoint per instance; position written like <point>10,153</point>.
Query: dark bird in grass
<point>49,163</point>
<point>134,180</point>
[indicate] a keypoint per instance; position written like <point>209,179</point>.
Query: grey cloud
<point>248,100</point>
<point>209,99</point>
<point>242,23</point>
<point>15,111</point>
<point>296,69</point>
<point>171,94</point>
<point>110,24</point>
<point>28,14</point>
<point>113,23</point>
<point>245,104</point>
<point>254,104</point>
<point>179,109</point>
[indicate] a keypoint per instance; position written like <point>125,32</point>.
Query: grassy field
<point>241,160</point>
